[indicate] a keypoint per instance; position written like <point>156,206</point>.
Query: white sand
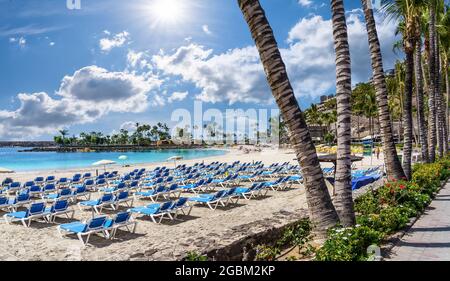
<point>204,229</point>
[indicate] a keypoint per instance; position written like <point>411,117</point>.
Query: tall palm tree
<point>408,12</point>
<point>421,122</point>
<point>64,133</point>
<point>343,200</point>
<point>393,167</point>
<point>432,81</point>
<point>444,32</point>
<point>321,209</point>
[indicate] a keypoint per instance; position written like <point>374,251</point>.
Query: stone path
<point>429,238</point>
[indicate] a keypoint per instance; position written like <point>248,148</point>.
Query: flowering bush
<point>348,244</point>
<point>384,211</point>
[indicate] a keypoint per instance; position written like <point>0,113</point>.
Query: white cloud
<point>234,76</point>
<point>205,29</point>
<point>87,95</point>
<point>51,44</point>
<point>305,3</point>
<point>130,126</point>
<point>118,40</point>
<point>237,75</point>
<point>177,96</point>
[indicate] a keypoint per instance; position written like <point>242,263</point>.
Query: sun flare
<point>168,11</point>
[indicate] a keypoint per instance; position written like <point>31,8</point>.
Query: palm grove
<point>423,77</point>
<point>143,134</point>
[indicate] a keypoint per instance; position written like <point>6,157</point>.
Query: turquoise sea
<point>29,161</point>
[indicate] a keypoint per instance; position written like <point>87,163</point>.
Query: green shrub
<point>297,235</point>
<point>388,221</point>
<point>428,177</point>
<point>194,256</point>
<point>267,253</point>
<point>348,244</point>
<point>367,204</point>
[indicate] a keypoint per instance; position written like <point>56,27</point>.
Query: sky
<point>113,63</point>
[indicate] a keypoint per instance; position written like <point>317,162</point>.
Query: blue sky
<point>114,62</point>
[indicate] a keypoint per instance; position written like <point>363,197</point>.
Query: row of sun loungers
<point>115,191</point>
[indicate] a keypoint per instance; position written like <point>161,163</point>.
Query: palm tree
<point>393,166</point>
<point>408,12</point>
<point>421,122</point>
<point>321,209</point>
<point>432,81</point>
<point>444,32</point>
<point>343,200</point>
<point>64,133</point>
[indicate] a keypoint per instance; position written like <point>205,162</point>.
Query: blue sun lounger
<point>121,220</point>
<point>60,207</point>
<point>250,192</point>
<point>211,200</point>
<point>80,229</point>
<point>150,194</point>
<point>36,211</point>
<point>98,205</point>
<point>155,211</point>
<point>123,198</point>
<point>19,201</point>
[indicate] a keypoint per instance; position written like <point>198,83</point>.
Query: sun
<point>167,11</point>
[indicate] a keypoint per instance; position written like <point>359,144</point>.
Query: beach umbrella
<point>104,163</point>
<point>123,158</point>
<point>5,171</point>
<point>174,159</point>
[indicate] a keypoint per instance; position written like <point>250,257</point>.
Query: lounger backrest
<point>122,217</point>
<point>101,181</point>
<point>65,192</point>
<point>81,189</point>
<point>96,223</point>
<point>134,184</point>
<point>181,202</point>
<point>50,178</point>
<point>23,197</point>
<point>160,188</point>
<point>36,208</point>
<point>165,206</point>
<point>107,197</point>
<point>14,185</point>
<point>123,195</point>
<point>231,191</point>
<point>3,200</point>
<point>121,185</point>
<point>60,205</point>
<point>173,187</point>
<point>220,194</point>
<point>35,188</point>
<point>39,179</point>
<point>49,186</point>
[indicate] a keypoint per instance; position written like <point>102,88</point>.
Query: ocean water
<point>10,158</point>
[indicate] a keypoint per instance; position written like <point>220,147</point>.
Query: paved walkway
<point>429,238</point>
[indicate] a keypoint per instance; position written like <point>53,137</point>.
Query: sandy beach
<point>203,229</point>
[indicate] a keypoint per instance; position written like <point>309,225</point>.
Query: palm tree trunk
<point>407,114</point>
<point>432,81</point>
<point>439,102</point>
<point>446,73</point>
<point>343,200</point>
<point>393,166</point>
<point>321,209</point>
<point>422,125</point>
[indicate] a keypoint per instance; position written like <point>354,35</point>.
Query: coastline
<point>69,172</point>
